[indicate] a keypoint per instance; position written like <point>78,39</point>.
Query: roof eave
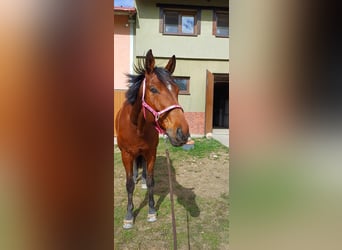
<point>125,10</point>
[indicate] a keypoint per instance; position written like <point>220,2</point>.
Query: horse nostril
<point>180,135</point>
<point>179,132</point>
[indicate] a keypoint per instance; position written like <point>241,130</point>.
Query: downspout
<point>131,22</point>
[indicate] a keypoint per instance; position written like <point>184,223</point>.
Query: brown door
<point>209,102</point>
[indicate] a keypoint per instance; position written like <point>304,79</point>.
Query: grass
<point>201,218</point>
<point>203,147</point>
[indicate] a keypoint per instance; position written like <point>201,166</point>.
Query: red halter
<point>155,113</point>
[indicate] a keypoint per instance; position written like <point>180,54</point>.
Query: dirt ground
<point>209,176</point>
<point>201,188</point>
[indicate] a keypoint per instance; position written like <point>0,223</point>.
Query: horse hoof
<point>128,224</point>
<point>152,217</point>
<point>143,186</point>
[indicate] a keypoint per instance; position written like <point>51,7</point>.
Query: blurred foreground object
<point>56,79</point>
<point>285,134</point>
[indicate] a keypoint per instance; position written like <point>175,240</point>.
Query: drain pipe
<point>131,21</point>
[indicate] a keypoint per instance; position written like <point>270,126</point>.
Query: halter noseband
<point>155,113</point>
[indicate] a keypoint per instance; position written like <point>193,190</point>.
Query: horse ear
<point>149,62</point>
<point>171,65</point>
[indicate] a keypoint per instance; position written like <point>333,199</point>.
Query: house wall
<point>121,51</point>
<point>203,46</point>
<point>195,54</point>
<point>196,69</point>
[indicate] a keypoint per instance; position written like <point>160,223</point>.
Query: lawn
<point>201,195</point>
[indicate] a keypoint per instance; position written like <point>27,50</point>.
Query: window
<point>183,83</point>
<point>221,24</point>
<point>179,22</point>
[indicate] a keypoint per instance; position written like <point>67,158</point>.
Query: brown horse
<point>151,108</point>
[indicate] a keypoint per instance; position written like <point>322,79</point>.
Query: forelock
<point>164,76</point>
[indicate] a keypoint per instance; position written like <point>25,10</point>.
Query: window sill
<point>179,34</point>
<point>221,36</point>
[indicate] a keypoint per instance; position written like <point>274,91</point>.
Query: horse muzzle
<point>178,138</point>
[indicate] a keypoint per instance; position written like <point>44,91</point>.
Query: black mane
<point>134,81</point>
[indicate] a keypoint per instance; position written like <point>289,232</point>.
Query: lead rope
<point>171,197</point>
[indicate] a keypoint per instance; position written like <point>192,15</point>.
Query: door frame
<point>209,103</point>
<point>209,98</point>
<point>119,99</point>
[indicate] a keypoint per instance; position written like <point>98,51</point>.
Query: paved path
<point>222,135</point>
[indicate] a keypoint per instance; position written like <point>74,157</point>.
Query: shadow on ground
<point>184,196</point>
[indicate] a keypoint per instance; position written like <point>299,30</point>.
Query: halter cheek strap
<point>155,113</point>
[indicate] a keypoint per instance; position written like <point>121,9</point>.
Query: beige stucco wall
<point>203,46</point>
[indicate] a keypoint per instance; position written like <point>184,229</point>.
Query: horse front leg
<point>152,214</point>
<point>128,163</point>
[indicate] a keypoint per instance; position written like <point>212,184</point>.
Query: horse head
<point>160,98</point>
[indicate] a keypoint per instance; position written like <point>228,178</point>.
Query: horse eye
<point>153,90</point>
